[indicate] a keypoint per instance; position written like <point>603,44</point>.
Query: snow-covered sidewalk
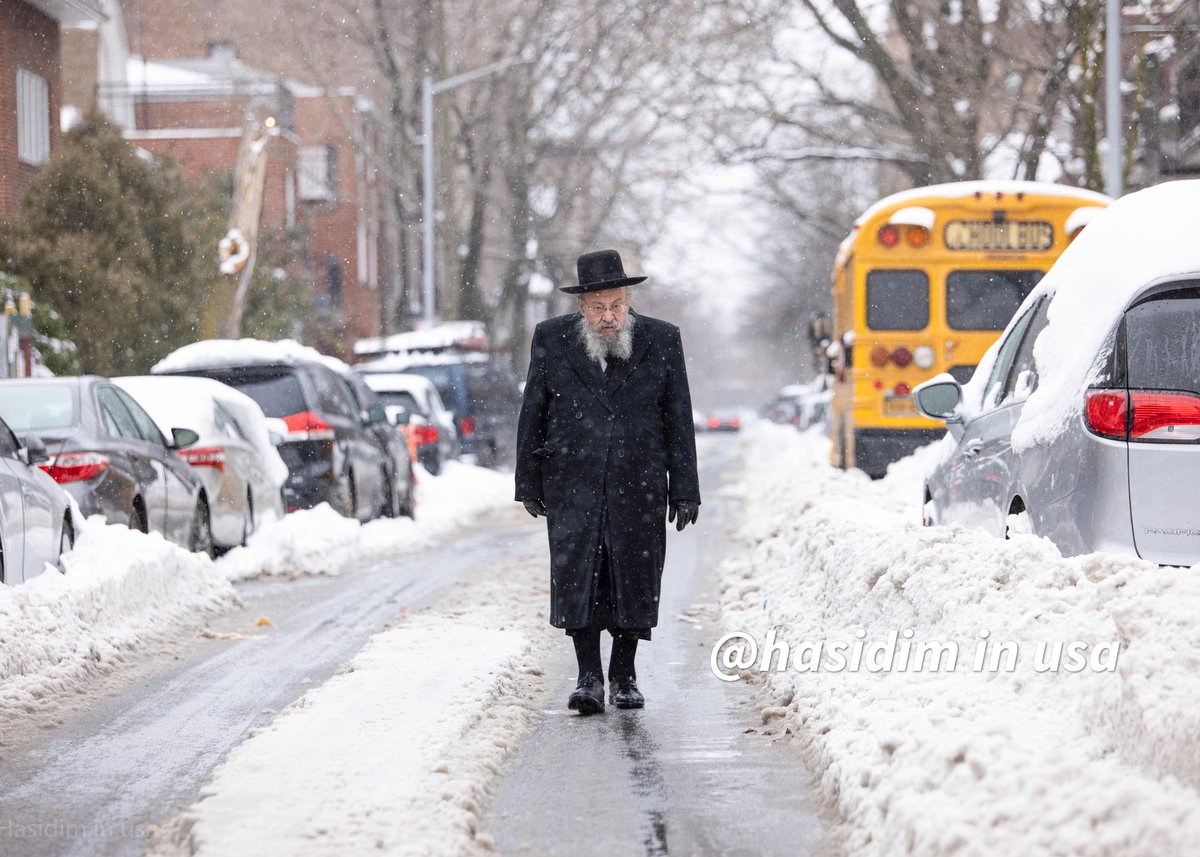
<point>1101,761</point>
<point>60,632</point>
<point>395,753</point>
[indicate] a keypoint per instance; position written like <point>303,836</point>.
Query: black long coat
<point>625,445</point>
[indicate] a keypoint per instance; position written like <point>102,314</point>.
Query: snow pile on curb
<point>320,541</point>
<point>964,761</point>
<point>122,587</point>
<point>395,754</point>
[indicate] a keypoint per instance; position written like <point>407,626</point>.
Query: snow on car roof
<point>243,352</point>
<point>1141,239</point>
<point>393,381</point>
<point>400,362</point>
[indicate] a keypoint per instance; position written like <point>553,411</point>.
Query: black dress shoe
<point>588,697</point>
<point>624,693</point>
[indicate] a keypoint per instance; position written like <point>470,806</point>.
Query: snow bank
<point>57,632</point>
<point>320,541</point>
<point>967,762</point>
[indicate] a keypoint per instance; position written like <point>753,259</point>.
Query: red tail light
<point>426,434</point>
<point>736,422</point>
<point>879,356</point>
<point>468,425</point>
<point>888,235</point>
<point>1144,415</point>
<point>307,426</point>
<point>902,357</point>
<point>75,466</point>
<point>206,456</point>
<point>902,389</point>
<point>1165,416</point>
<point>713,423</point>
<point>1107,412</point>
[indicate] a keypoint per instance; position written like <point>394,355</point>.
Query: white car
<point>242,472</point>
<point>437,440</point>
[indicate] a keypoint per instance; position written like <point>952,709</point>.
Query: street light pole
<point>429,88</point>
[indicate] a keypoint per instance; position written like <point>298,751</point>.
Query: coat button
<point>579,415</point>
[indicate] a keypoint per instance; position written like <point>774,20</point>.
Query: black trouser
<point>603,618</point>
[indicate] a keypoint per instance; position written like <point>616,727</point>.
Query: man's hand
<point>686,511</point>
<point>535,507</point>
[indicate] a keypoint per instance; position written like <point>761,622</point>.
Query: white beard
<point>620,348</point>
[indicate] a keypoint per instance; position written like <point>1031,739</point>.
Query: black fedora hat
<point>599,271</point>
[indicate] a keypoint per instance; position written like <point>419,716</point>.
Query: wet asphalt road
<point>93,786</point>
<point>691,773</point>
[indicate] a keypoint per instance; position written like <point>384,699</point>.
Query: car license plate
<point>898,406</point>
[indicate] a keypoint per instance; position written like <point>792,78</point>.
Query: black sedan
<point>35,518</point>
<point>108,453</point>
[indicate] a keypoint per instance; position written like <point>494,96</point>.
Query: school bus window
<point>986,300</point>
<point>897,300</point>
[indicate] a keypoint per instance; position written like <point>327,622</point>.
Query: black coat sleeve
<point>681,430</point>
<point>531,427</point>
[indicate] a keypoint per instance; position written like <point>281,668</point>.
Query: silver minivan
<point>1121,473</point>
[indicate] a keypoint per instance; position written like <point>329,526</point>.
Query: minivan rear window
<point>897,300</point>
<point>1162,341</point>
<point>986,300</point>
<point>278,395</point>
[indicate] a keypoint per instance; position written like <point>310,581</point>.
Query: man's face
<point>606,312</point>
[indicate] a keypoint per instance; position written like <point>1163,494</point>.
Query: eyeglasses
<point>600,309</point>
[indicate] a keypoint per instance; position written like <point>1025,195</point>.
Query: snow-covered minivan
<point>1082,423</point>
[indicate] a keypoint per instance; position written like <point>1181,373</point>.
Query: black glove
<point>686,511</point>
<point>535,507</point>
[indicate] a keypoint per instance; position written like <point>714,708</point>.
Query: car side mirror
<point>397,415</point>
<point>33,450</point>
<point>938,399</point>
<point>376,414</point>
<point>182,438</point>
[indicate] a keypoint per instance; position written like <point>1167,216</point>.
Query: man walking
<point>606,448</point>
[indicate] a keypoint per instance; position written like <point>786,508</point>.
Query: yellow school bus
<point>924,283</point>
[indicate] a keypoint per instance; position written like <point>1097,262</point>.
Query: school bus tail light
<point>902,357</point>
<point>879,356</point>
<point>888,235</point>
<point>917,236</point>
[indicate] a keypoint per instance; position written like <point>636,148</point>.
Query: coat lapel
<point>587,371</point>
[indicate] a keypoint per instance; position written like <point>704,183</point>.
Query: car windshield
<point>277,395</point>
<point>37,407</point>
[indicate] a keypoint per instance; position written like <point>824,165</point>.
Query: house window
<point>317,173</point>
<point>33,117</point>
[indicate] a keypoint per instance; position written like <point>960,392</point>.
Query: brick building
<point>31,86</point>
<point>188,95</point>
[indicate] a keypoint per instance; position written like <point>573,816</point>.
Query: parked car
<point>36,527</point>
<point>112,458</point>
<point>402,481</point>
<point>332,456</point>
<point>243,474</point>
<point>481,393</point>
<point>436,438</point>
<point>1082,424</point>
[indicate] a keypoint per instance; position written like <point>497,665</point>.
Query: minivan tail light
<point>75,466</point>
<point>426,434</point>
<point>204,456</point>
<point>468,425</point>
<point>1165,416</point>
<point>1107,413</point>
<point>307,426</point>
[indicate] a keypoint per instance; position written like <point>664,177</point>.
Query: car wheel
<point>137,518</point>
<point>391,502</point>
<point>348,497</point>
<point>202,537</point>
<point>248,519</point>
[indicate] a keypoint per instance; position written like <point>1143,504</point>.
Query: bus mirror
<point>939,398</point>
